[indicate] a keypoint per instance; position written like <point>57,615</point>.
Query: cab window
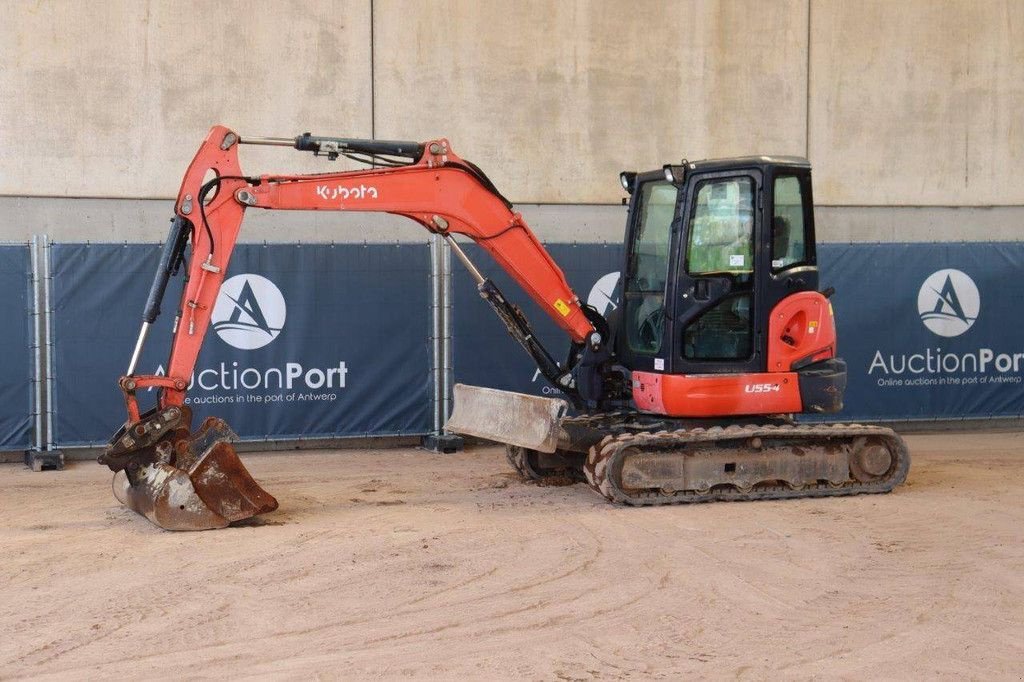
<point>789,244</point>
<point>644,288</point>
<point>722,228</point>
<point>724,332</point>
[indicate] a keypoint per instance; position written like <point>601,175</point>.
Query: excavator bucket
<point>191,483</point>
<point>528,421</point>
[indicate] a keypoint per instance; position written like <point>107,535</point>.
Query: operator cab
<point>712,247</point>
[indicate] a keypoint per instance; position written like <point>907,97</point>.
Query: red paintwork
<point>804,319</point>
<point>420,191</point>
<point>716,395</point>
<point>806,323</point>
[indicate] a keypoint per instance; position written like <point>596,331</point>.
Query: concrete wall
<point>558,97</point>
<point>917,102</point>
<point>910,111</point>
<point>110,98</point>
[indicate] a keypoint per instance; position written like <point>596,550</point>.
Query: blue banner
<point>929,330</point>
<point>322,340</point>
<point>305,340</point>
<point>17,367</point>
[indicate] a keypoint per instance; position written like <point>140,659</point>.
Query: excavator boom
<point>182,480</point>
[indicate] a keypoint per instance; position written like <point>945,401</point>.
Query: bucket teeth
<point>195,483</point>
<point>226,487</point>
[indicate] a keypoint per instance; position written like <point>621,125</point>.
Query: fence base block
<point>443,442</point>
<point>37,460</point>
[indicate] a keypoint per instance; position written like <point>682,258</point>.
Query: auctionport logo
<point>249,313</point>
<point>948,302</point>
<point>601,293</point>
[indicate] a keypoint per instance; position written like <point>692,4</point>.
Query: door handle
<point>701,290</point>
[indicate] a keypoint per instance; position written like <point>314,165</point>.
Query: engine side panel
<point>801,330</point>
<point>715,395</point>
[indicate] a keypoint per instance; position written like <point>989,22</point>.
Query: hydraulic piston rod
<point>332,147</point>
<point>473,271</point>
<point>133,363</point>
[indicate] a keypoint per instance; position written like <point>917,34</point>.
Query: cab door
<point>716,318</point>
<point>642,333</point>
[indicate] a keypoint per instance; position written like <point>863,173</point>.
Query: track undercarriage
<point>641,460</point>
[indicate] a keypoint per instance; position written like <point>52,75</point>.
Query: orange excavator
<point>684,394</point>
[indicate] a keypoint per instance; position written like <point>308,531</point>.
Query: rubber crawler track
<point>516,457</point>
<point>519,457</point>
<point>607,457</point>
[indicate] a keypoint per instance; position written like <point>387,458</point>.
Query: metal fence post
<point>447,365</point>
<point>42,455</point>
<point>441,296</point>
<point>37,347</point>
<point>437,331</point>
<point>48,316</point>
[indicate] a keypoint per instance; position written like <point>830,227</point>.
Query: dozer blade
<point>194,483</point>
<point>528,421</point>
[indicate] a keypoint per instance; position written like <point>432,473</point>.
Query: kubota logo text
<point>249,312</point>
<point>342,192</point>
<point>948,302</point>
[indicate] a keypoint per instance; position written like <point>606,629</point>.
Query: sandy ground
<point>399,563</point>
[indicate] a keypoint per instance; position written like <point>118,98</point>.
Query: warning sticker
<point>737,260</point>
<point>562,307</point>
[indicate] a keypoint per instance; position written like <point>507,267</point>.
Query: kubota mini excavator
<point>684,395</point>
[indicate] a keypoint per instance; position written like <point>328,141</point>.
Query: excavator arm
<point>438,190</point>
<point>427,183</point>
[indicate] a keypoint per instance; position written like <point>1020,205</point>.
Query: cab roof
<point>762,163</point>
<point>747,162</point>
